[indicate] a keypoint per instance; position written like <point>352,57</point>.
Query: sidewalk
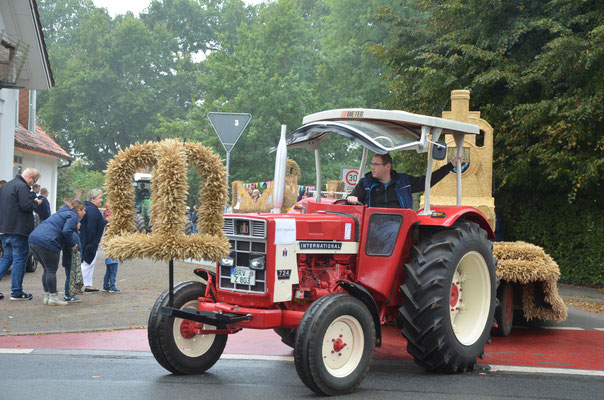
<point>141,282</point>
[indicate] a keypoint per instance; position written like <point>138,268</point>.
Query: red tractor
<point>326,282</point>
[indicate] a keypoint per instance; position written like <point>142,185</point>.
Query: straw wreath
<point>168,194</point>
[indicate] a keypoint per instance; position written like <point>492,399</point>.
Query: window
<point>382,235</point>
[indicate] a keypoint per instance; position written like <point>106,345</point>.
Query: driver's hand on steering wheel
<point>352,200</point>
<point>454,160</point>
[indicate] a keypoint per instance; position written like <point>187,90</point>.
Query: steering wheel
<point>385,137</point>
<point>338,201</point>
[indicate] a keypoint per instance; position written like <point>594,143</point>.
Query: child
<point>110,276</point>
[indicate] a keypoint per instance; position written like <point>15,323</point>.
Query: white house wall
<point>9,104</point>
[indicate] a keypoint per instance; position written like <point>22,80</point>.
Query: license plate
<point>243,276</point>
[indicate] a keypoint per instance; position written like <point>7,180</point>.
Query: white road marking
<point>563,328</point>
<point>256,357</point>
<point>16,351</point>
<point>546,370</point>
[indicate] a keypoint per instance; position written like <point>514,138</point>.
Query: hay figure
<point>169,190</point>
<point>529,266</point>
<point>265,202</point>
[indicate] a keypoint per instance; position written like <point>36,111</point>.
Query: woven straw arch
<point>169,191</point>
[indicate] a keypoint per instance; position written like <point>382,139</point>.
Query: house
<point>24,65</point>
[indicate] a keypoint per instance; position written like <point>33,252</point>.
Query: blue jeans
<point>110,276</point>
<point>16,250</point>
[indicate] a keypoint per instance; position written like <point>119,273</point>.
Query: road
<point>136,375</point>
<point>544,360</point>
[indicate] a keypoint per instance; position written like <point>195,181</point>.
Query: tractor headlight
<point>227,262</point>
<point>258,263</point>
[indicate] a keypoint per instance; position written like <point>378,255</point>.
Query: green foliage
<point>572,233</point>
<point>76,180</point>
<point>535,71</point>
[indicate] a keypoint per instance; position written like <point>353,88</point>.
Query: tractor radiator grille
<point>248,240</point>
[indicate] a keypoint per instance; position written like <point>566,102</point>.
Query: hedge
<point>572,232</point>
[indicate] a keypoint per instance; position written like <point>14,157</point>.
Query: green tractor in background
<point>142,198</point>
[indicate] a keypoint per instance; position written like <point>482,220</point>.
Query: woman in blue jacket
<point>47,241</point>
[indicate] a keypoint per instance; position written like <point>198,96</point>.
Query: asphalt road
<point>120,375</point>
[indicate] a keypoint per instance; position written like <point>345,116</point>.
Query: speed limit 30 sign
<point>350,176</point>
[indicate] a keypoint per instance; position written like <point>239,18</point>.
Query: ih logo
<point>169,187</point>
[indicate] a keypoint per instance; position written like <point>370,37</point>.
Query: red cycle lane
<point>575,349</point>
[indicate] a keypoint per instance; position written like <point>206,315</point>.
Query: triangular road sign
<point>229,126</point>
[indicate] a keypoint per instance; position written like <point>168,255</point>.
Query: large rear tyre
<point>504,314</point>
<point>173,341</point>
<point>334,344</point>
<point>139,222</point>
<point>449,298</point>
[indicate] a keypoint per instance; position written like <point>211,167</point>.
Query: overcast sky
<point>136,6</point>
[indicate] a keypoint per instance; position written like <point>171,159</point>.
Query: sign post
<point>350,176</point>
<point>229,127</point>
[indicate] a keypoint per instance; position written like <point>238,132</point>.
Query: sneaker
<point>114,290</point>
<point>104,290</point>
<point>72,299</point>
<point>22,296</point>
<point>1,296</point>
<point>93,290</point>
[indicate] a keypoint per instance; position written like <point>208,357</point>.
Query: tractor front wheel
<point>334,344</point>
<point>449,298</point>
<point>174,341</point>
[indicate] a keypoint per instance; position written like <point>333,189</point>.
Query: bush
<point>571,232</point>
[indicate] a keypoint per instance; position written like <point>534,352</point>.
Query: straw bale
<point>526,264</point>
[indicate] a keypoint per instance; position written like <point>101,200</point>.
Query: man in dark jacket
<point>43,210</point>
<point>91,231</point>
<point>16,223</point>
<point>384,187</point>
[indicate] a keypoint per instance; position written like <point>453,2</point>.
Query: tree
<point>534,69</point>
<point>113,79</point>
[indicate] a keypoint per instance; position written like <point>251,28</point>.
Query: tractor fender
<point>358,291</point>
<point>453,214</point>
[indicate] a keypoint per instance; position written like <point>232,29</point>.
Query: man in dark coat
<point>43,210</point>
<point>91,232</point>
<point>16,223</point>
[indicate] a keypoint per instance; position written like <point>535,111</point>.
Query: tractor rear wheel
<point>504,314</point>
<point>173,341</point>
<point>449,298</point>
<point>334,344</point>
<point>139,222</point>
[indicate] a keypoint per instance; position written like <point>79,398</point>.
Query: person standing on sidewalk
<point>110,276</point>
<point>47,241</point>
<point>91,231</point>
<point>43,210</point>
<point>16,223</point>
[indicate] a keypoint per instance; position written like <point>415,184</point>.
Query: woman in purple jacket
<point>47,241</point>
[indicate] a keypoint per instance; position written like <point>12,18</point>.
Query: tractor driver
<point>384,187</point>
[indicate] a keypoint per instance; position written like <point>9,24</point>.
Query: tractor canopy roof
<point>380,131</point>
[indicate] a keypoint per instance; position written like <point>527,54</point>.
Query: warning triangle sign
<point>229,127</point>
